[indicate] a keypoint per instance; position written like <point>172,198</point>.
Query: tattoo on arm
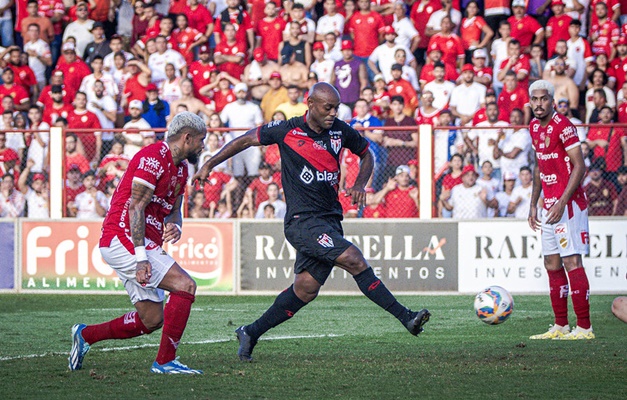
<point>140,198</point>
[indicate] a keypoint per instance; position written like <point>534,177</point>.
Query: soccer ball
<point>494,305</point>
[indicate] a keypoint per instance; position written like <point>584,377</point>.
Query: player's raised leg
<point>353,261</point>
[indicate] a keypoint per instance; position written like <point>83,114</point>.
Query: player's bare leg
<point>353,261</point>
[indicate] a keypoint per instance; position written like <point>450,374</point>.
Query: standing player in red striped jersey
<point>145,212</point>
<point>564,216</point>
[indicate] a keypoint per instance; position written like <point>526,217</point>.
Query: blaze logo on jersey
<point>325,240</point>
<point>306,175</point>
<point>151,165</point>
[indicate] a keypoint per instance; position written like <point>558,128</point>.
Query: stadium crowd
<point>461,66</point>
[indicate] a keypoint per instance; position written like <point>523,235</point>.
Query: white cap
<point>240,87</point>
<point>519,3</point>
<point>68,46</point>
<point>402,168</point>
<point>378,77</point>
<point>136,104</point>
<point>509,176</point>
<point>480,53</point>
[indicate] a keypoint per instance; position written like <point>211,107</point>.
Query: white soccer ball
<point>494,305</point>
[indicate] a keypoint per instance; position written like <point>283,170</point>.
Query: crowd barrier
<point>252,257</point>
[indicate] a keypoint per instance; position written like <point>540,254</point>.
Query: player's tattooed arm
<point>140,198</point>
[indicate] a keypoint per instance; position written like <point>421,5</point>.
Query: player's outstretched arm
<point>140,198</point>
<point>229,150</point>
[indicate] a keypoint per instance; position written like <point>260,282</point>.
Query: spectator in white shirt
<point>323,67</point>
<point>482,141</point>
<point>243,114</point>
<point>469,200</point>
<point>135,129</point>
<point>39,56</point>
<point>37,194</point>
<point>162,57</point>
<point>467,97</point>
<point>521,195</point>
<point>513,145</point>
<point>273,199</point>
<point>382,57</point>
<point>115,44</point>
<point>504,197</point>
<point>434,25</point>
<point>38,148</point>
<point>408,36</point>
<point>331,21</point>
<point>91,203</point>
<point>439,88</point>
<point>80,29</point>
<point>12,201</point>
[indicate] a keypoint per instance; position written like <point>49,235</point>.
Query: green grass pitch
<point>337,347</point>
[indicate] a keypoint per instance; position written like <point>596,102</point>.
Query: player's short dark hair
<point>398,99</point>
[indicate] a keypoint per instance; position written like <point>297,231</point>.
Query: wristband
<point>140,253</point>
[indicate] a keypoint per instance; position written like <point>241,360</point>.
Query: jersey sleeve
<point>353,141</point>
<point>149,169</point>
<point>568,136</point>
<point>272,132</point>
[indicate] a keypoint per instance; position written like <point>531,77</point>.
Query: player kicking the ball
<point>564,216</point>
<point>146,211</point>
<point>310,148</point>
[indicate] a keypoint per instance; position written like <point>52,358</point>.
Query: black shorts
<point>318,241</point>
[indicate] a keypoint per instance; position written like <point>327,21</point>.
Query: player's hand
<point>143,272</point>
<point>172,233</point>
<point>358,196</point>
<point>533,220</point>
<point>201,175</point>
<point>554,215</point>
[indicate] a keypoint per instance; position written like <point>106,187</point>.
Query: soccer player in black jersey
<point>310,148</point>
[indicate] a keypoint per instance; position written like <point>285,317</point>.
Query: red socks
<point>558,286</point>
<point>175,316</point>
<point>580,292</point>
<point>127,326</point>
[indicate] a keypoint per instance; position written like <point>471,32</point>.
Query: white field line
<point>141,346</point>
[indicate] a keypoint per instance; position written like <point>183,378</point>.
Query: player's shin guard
<point>284,307</point>
<point>125,327</point>
<point>580,292</point>
<point>558,286</point>
<point>376,291</point>
<point>175,316</point>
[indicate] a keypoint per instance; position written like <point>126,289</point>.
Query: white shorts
<point>124,263</point>
<point>569,236</point>
<point>249,158</point>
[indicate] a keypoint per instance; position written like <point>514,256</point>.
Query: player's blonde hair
<point>184,122</point>
<point>542,85</point>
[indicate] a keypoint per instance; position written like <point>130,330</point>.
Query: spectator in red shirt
<point>17,92</point>
<point>364,28</point>
<point>73,186</point>
<point>619,63</point>
<point>270,30</point>
<point>198,17</point>
<point>74,70</point>
<point>258,188</point>
<point>230,55</point>
<point>200,72</point>
<point>399,197</point>
<point>557,26</point>
<point>420,13</point>
<point>435,56</point>
<point>400,87</point>
<point>58,108</point>
<point>426,113</point>
<point>187,38</point>
<point>517,62</point>
<point>449,43</point>
<point>81,118</point>
<point>240,19</point>
<point>608,142</point>
<point>74,158</point>
<point>23,74</point>
<point>525,29</point>
<point>513,96</point>
<point>216,186</point>
<point>8,158</point>
<point>472,28</point>
<point>605,32</point>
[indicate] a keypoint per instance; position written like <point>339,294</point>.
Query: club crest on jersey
<point>325,240</point>
<point>336,141</point>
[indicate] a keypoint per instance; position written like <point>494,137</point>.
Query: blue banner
<point>7,255</point>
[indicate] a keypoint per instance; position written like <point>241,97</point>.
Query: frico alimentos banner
<point>64,255</point>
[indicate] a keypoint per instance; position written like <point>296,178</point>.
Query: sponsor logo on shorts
<point>560,229</point>
<point>585,237</point>
<point>325,240</point>
<point>564,243</point>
